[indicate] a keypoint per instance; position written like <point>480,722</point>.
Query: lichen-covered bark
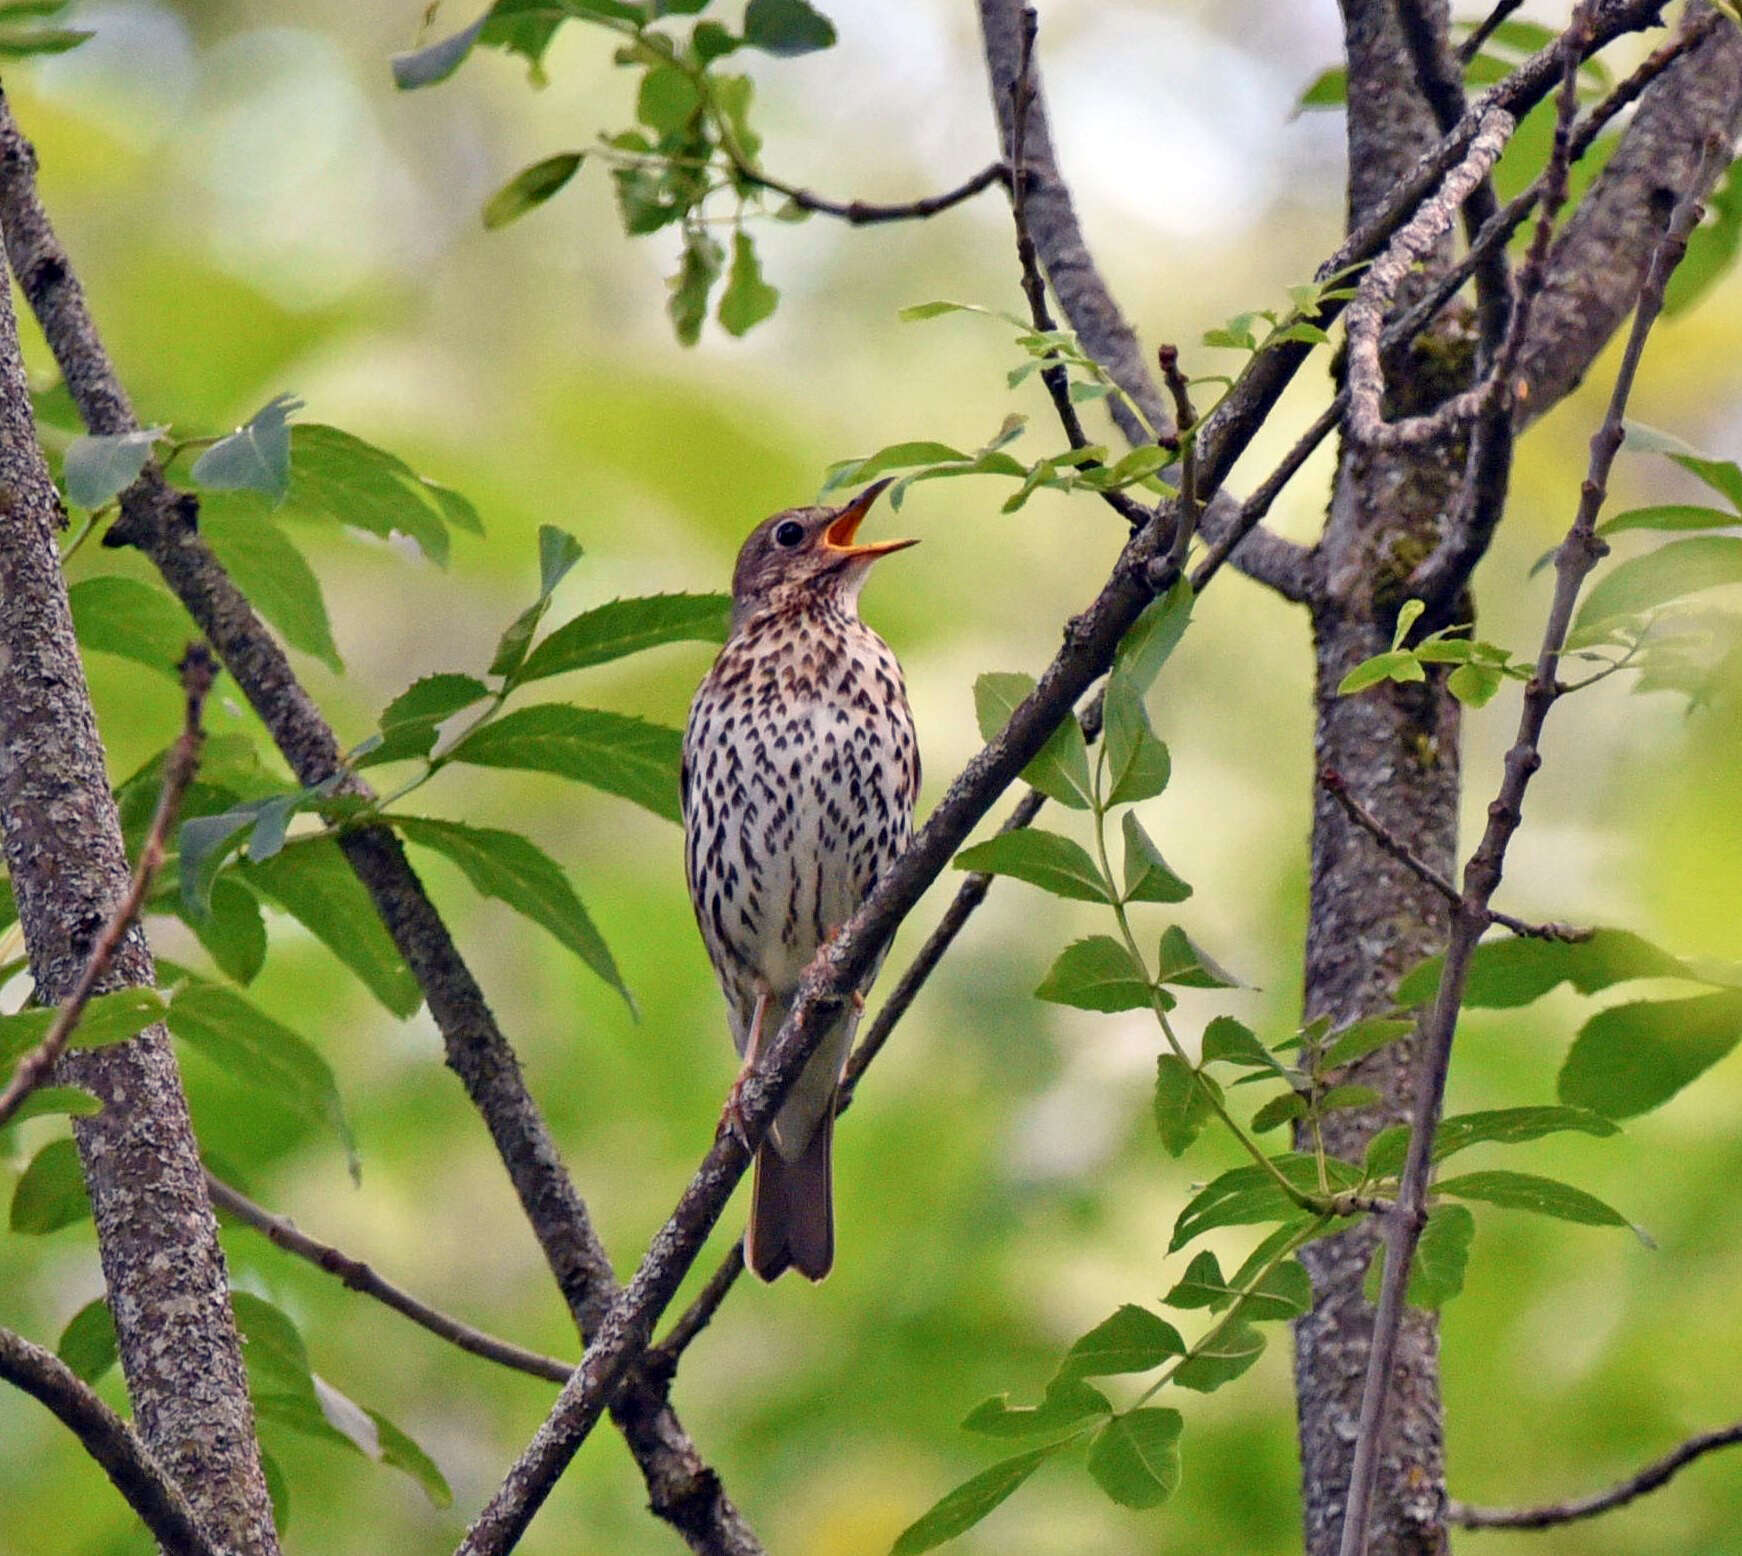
<point>1370,918</point>
<point>156,1234</point>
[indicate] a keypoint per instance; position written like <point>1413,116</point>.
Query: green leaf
<point>1135,1457</point>
<point>397,1450</point>
<point>22,42</point>
<point>969,1503</point>
<point>1508,973</point>
<point>250,1046</point>
<point>1202,1285</point>
<point>435,61</point>
<point>1152,638</point>
<point>1436,1274</point>
<point>1184,1102</point>
<point>1138,765</point>
<point>786,27</point>
<point>205,843</point>
<point>1494,1126</point>
<point>621,755</point>
<point>625,627</point>
<point>1329,89</point>
<point>50,1193</point>
<point>1182,963</point>
<point>697,272</point>
<point>1527,1191</point>
<point>1220,1358</point>
<point>88,1344</point>
<point>1041,858</point>
<point>530,187</point>
<point>558,552</point>
<point>313,883</point>
<point>1284,1294</point>
<point>515,870</point>
<point>107,1018</point>
<point>1278,1111</point>
<point>1245,1195</point>
<point>897,456</point>
<point>56,1102</point>
<point>1670,516</point>
<point>336,475</point>
<point>272,573</point>
<point>1475,685</point>
<point>748,299</point>
<point>98,468</point>
<point>667,100</point>
<point>1067,1401</point>
<point>1147,876</point>
<point>1132,1340</point>
<point>1061,769</point>
<point>710,41</point>
<point>1227,1041</point>
<point>232,930</point>
<point>411,722</point>
<point>1722,475</point>
<point>1361,1038</point>
<point>1669,573</point>
<point>116,615</point>
<point>1398,665</point>
<point>1096,974</point>
<point>1631,1058</point>
<point>256,456</point>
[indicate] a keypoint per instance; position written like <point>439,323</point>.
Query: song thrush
<point>800,771</point>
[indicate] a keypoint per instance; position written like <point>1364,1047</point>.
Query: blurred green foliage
<point>253,209</point>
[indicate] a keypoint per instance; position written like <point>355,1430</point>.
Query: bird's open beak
<point>839,535</point>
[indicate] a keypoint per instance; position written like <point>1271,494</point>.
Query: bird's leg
<point>752,1048</point>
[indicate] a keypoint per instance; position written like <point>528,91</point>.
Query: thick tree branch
<point>360,1277</point>
<point>1552,1514</point>
<point>1578,555</point>
<point>162,522</point>
<point>110,1441</point>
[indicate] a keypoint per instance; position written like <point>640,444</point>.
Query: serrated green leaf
<point>1147,876</point>
<point>336,475</point>
<point>1245,1195</point>
<point>969,1503</point>
<point>435,61</point>
<point>1436,1273</point>
<point>272,573</point>
<point>1285,1293</point>
<point>1067,1401</point>
<point>697,272</point>
<point>1508,973</point>
<point>1138,764</point>
<point>611,751</point>
<point>1061,768</point>
<point>1631,1058</point>
<point>624,627</point>
<point>1361,1038</point>
<point>1135,1457</point>
<point>1227,1041</point>
<point>1493,1126</point>
<point>106,1019</point>
<point>1231,1350</point>
<point>1670,573</point>
<point>88,1344</point>
<point>50,1193</point>
<point>313,883</point>
<point>1180,961</point>
<point>1184,1101</point>
<point>411,722</point>
<point>98,468</point>
<point>124,616</point>
<point>1043,859</point>
<point>1277,1112</point>
<point>748,298</point>
<point>515,870</point>
<point>256,456</point>
<point>1152,638</point>
<point>558,552</point>
<point>1096,974</point>
<point>530,187</point>
<point>1132,1340</point>
<point>1527,1191</point>
<point>1202,1284</point>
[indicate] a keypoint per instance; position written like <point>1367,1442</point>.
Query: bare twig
<point>866,213</point>
<point>663,1358</point>
<point>360,1277</point>
<point>1552,1514</point>
<point>151,1493</point>
<point>1578,555</point>
<point>198,670</point>
<point>1484,30</point>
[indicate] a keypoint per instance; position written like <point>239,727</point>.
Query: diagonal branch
<point>1552,1514</point>
<point>110,1441</point>
<point>161,522</point>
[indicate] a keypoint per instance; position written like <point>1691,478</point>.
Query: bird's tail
<point>792,1209</point>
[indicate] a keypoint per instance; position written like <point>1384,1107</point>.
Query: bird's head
<point>792,558</point>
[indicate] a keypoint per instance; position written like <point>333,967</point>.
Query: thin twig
<point>1578,555</point>
<point>663,1357</point>
<point>866,213</point>
<point>360,1277</point>
<point>1335,785</point>
<point>110,1441</point>
<point>1551,1514</point>
<point>198,670</point>
<point>1471,46</point>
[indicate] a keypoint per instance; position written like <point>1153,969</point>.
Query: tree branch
<point>110,1441</point>
<point>1552,1514</point>
<point>867,213</point>
<point>161,522</point>
<point>1578,555</point>
<point>198,670</point>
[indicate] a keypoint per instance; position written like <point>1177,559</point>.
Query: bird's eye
<point>789,534</point>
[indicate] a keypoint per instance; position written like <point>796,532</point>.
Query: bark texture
<point>179,1349</point>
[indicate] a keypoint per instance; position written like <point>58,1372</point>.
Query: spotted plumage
<point>800,770</point>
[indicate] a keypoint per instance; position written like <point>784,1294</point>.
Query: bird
<point>799,775</point>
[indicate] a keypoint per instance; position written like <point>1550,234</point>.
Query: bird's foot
<point>735,1120</point>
